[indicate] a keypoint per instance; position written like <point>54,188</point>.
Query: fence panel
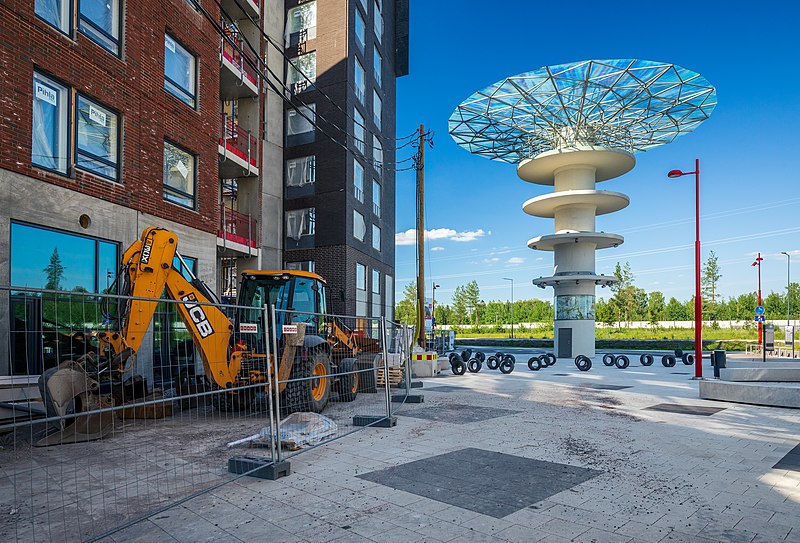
<point>161,436</point>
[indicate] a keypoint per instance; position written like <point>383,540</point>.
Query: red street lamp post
<point>698,303</point>
<point>760,324</point>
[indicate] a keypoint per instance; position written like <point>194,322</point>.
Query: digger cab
<point>298,297</point>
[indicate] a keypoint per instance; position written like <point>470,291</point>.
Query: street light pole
<point>789,299</point>
<point>698,303</point>
<point>433,309</point>
<point>760,329</point>
<point>512,304</point>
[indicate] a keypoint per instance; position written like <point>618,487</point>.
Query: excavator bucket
<point>68,391</point>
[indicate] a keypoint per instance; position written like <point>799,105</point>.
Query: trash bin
<point>718,360</point>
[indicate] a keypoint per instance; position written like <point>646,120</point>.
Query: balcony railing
<point>237,140</point>
<point>246,63</point>
<point>237,227</point>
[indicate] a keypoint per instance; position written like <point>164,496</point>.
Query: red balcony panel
<point>248,63</point>
<point>238,227</point>
<point>237,140</point>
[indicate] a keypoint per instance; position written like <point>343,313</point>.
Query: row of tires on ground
<point>467,362</point>
<point>668,360</point>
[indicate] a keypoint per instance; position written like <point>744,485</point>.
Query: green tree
<point>628,301</point>
<point>675,310</point>
<point>406,309</point>
<point>54,272</point>
<point>655,307</point>
<point>459,305</point>
<point>709,279</point>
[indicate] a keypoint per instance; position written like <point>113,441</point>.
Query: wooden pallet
<point>395,375</point>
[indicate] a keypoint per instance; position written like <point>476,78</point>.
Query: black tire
<point>498,355</point>
<point>481,357</point>
<point>551,359</point>
<point>668,361</point>
<point>608,359</point>
<point>688,359</point>
<point>534,363</point>
<point>346,385</point>
<point>622,362</point>
<point>458,367</point>
<point>646,359</point>
<point>452,356</point>
<point>492,362</point>
<point>510,357</point>
<point>466,355</point>
<point>583,362</point>
<point>304,393</point>
<point>507,365</point>
<point>678,353</point>
<point>474,365</point>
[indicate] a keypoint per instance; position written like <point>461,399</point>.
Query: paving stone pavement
<point>654,475</point>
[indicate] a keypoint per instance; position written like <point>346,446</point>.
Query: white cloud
<point>437,248</point>
<point>409,237</point>
<point>515,260</point>
<point>490,260</point>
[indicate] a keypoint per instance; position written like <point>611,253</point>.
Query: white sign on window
<point>43,92</point>
<point>97,116</point>
<point>169,43</point>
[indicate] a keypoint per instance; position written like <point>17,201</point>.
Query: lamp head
<point>675,173</point>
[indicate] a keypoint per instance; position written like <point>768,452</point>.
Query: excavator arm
<point>149,272</point>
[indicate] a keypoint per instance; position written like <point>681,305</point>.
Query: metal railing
<point>237,140</point>
<point>238,54</point>
<point>161,434</point>
<point>238,227</point>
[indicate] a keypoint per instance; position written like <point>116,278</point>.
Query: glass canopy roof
<point>626,104</point>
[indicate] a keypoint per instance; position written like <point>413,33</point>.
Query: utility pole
<point>421,240</point>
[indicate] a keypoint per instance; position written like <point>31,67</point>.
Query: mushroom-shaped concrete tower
<point>571,126</point>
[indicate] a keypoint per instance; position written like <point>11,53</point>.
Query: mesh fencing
<point>91,442</point>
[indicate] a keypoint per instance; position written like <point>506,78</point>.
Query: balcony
<point>238,233</point>
<point>242,8</point>
<point>238,73</point>
<point>238,149</point>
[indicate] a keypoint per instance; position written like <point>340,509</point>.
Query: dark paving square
<point>791,461</point>
<point>605,387</point>
<point>458,413</point>
<point>487,482</point>
<point>701,410</point>
<point>561,374</point>
<point>681,373</point>
<point>448,388</point>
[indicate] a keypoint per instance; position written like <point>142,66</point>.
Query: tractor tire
<point>646,359</point>
<point>458,367</point>
<point>583,362</point>
<point>688,359</point>
<point>608,359</point>
<point>492,362</point>
<point>622,362</point>
<point>551,359</point>
<point>474,365</point>
<point>481,357</point>
<point>668,361</point>
<point>309,385</point>
<point>347,384</point>
<point>507,365</point>
<point>534,363</point>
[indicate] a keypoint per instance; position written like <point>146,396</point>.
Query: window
<point>358,181</point>
<point>302,72</point>
<point>389,297</point>
<point>376,282</point>
<point>376,293</point>
<point>377,21</point>
<point>179,176</point>
<point>377,154</point>
<point>303,265</point>
<point>100,21</point>
<point>49,146</point>
<point>377,66</point>
<point>361,290</point>
<point>301,24</point>
<point>180,71</point>
<point>297,123</point>
<point>359,135</point>
<point>301,171</point>
<point>376,237</point>
<point>377,109</point>
<point>360,80</point>
<point>300,222</point>
<point>55,12</point>
<point>575,307</point>
<point>376,198</point>
<point>361,276</point>
<point>359,226</point>
<point>97,139</point>
<point>361,30</point>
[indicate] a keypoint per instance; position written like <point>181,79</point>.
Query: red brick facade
<point>133,86</point>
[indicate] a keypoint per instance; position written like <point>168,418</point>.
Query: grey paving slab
<point>457,413</point>
<point>606,387</point>
<point>447,388</point>
<point>487,482</point>
<point>701,410</point>
<point>791,461</point>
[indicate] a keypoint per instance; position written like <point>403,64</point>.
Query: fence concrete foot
<point>376,421</point>
<point>261,468</point>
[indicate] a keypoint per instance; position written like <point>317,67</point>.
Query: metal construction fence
<point>91,441</point>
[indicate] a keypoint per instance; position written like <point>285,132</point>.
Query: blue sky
<point>748,149</point>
